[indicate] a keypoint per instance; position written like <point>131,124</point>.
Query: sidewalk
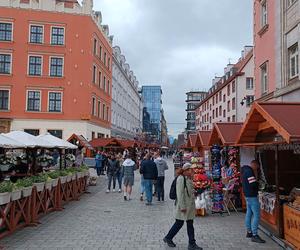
<point>105,221</point>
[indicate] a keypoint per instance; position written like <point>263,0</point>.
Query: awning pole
<point>279,218</point>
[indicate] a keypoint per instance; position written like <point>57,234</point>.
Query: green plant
<point>63,173</point>
<point>54,174</point>
<point>72,170</point>
<point>39,178</point>
<point>24,183</point>
<point>6,186</point>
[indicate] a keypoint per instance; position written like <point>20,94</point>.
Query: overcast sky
<point>180,44</point>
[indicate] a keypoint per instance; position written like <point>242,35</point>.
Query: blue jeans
<point>252,215</point>
<point>148,189</point>
<point>142,188</point>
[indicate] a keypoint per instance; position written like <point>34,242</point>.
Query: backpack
<point>173,194</point>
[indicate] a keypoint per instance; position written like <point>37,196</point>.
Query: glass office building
<point>152,97</point>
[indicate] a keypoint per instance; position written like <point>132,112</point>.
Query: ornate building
<point>127,106</point>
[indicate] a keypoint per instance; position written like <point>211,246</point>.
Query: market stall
<point>273,128</point>
<point>204,148</point>
<point>194,143</point>
<point>82,143</point>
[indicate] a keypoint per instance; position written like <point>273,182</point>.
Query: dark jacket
<point>149,170</point>
<point>249,182</point>
<point>113,167</point>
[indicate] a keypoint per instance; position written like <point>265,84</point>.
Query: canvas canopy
<point>6,142</point>
<point>59,143</point>
<point>29,140</point>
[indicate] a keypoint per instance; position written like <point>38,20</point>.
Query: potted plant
<point>6,188</point>
<point>25,185</point>
<point>72,172</point>
<point>70,160</point>
<point>16,192</point>
<point>39,182</point>
<point>63,176</point>
<point>54,175</point>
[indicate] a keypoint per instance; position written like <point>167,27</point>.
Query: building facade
<point>127,104</point>
<point>276,50</point>
<point>193,99</point>
<point>164,130</point>
<point>230,97</point>
<point>152,98</point>
<point>54,76</point>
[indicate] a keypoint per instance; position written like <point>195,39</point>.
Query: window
<point>224,113</point>
<point>33,100</point>
<point>264,13</point>
<point>108,63</point>
<point>95,46</point>
<point>99,109</point>
<point>213,100</point>
<point>233,118</point>
<point>55,101</point>
<point>220,111</point>
<point>94,73</point>
<point>228,89</point>
<point>99,79</point>
<point>36,34</point>
<point>104,83</point>
<point>224,98</point>
<point>34,132</point>
<point>56,133</point>
<point>249,83</point>
<point>217,113</point>
<point>57,36</point>
<point>35,66</point>
<point>264,78</point>
<point>56,66</point>
<point>220,96</point>
<point>103,111</point>
<point>4,99</point>
<point>108,87</point>
<point>233,87</point>
<point>249,100</point>
<point>104,59</point>
<point>228,106</point>
<point>100,53</point>
<point>228,119</point>
<point>293,61</point>
<point>213,114</point>
<point>5,64</point>
<point>94,106</point>
<point>107,113</point>
<point>5,31</point>
<point>233,104</point>
<point>93,135</point>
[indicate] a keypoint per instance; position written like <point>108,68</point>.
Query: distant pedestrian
<point>128,169</point>
<point>99,163</point>
<point>250,188</point>
<point>112,172</point>
<point>119,173</point>
<point>162,166</point>
<point>185,208</point>
<point>149,172</point>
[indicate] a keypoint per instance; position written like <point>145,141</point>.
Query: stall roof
<point>29,140</point>
<point>270,119</point>
<point>204,137</point>
<point>105,142</point>
<point>128,143</point>
<point>192,141</point>
<point>225,133</point>
<point>6,142</point>
<point>82,141</point>
<point>59,143</point>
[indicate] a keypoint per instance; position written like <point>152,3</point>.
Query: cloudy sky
<point>180,44</point>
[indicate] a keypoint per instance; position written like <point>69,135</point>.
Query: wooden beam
<point>264,126</point>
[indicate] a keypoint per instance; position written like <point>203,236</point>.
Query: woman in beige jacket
<point>185,208</point>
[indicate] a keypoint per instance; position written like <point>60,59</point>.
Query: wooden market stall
<point>204,148</point>
<point>273,128</point>
<point>81,142</point>
<point>194,143</point>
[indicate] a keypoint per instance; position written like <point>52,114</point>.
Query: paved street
<point>105,221</point>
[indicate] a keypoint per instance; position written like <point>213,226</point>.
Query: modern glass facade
<point>152,96</point>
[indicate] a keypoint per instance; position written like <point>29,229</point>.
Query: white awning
<point>29,140</point>
<point>6,142</point>
<point>59,143</point>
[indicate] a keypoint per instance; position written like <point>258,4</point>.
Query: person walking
<point>99,163</point>
<point>250,188</point>
<point>162,166</point>
<point>142,185</point>
<point>119,173</point>
<point>184,208</point>
<point>112,172</point>
<point>128,169</point>
<point>149,172</point>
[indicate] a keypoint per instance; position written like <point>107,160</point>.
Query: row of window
<point>100,110</point>
<point>36,33</point>
<point>33,100</point>
<point>229,119</point>
<point>102,82</point>
<point>55,132</point>
<point>35,65</point>
<point>102,55</point>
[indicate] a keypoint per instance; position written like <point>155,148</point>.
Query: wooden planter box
<point>291,217</point>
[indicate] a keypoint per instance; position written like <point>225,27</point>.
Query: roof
<point>204,137</point>
<point>59,143</point>
<point>270,122</point>
<point>105,142</point>
<point>192,141</point>
<point>6,142</point>
<point>225,133</point>
<point>81,140</point>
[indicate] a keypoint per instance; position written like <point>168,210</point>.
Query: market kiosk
<point>194,143</point>
<point>273,128</point>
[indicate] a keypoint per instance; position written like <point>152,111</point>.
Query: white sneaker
<point>120,191</point>
<point>114,190</point>
<point>107,191</point>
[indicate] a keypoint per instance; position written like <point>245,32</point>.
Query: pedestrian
<point>149,172</point>
<point>142,185</point>
<point>119,173</point>
<point>162,166</point>
<point>184,208</point>
<point>112,172</point>
<point>128,169</point>
<point>250,188</point>
<point>99,163</point>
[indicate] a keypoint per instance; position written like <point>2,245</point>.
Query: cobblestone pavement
<point>105,221</point>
